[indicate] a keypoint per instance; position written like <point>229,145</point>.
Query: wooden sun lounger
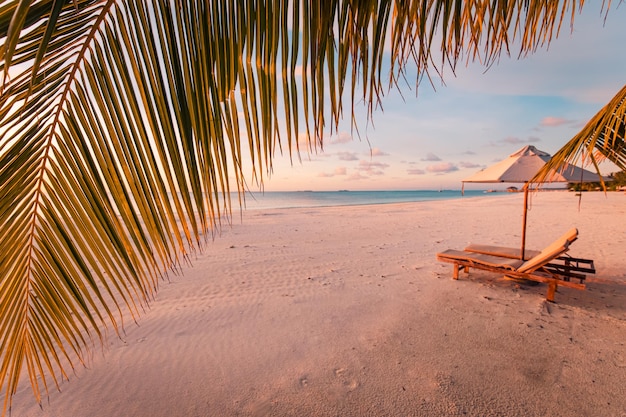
<point>550,266</point>
<point>566,266</point>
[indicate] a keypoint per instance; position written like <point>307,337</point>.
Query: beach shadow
<point>606,295</point>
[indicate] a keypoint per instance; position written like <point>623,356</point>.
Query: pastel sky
<point>437,138</point>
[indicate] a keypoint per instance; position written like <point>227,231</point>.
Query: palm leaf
<point>602,138</point>
<point>121,136</point>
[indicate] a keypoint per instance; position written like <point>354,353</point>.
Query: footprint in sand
<point>351,385</point>
<point>348,383</point>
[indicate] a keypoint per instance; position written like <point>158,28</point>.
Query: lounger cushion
<point>551,252</point>
<point>481,258</point>
<point>502,251</point>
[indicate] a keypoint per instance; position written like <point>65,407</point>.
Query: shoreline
<point>345,311</point>
<point>263,200</point>
<point>310,199</point>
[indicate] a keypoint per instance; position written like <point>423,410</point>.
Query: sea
<point>304,199</point>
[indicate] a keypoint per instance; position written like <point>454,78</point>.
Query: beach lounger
<point>566,266</point>
<point>550,266</point>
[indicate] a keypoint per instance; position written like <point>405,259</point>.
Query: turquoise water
<point>296,199</point>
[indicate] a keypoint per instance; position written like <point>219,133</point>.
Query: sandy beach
<point>345,311</point>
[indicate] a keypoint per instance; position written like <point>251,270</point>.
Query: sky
<point>434,139</point>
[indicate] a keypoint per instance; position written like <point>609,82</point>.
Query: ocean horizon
<point>303,199</point>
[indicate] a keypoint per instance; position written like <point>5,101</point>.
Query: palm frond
<point>124,126</point>
<point>602,138</point>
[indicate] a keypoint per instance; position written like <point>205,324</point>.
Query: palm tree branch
<point>602,137</point>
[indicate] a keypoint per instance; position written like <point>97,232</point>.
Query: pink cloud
<point>415,171</point>
<point>372,168</point>
<point>341,137</point>
<point>468,165</point>
<point>553,121</point>
<point>347,156</point>
<point>369,165</point>
<point>442,168</point>
<point>356,176</point>
<point>378,152</point>
<point>337,171</point>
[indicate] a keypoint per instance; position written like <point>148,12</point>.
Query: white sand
<point>346,312</point>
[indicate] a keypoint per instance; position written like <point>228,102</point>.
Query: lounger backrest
<point>551,252</point>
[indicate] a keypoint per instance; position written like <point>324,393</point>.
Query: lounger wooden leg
<point>457,268</point>
<point>551,290</point>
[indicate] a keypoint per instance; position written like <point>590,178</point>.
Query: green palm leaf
<point>124,126</point>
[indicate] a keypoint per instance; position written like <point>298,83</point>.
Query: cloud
<point>463,164</point>
<point>337,171</point>
<point>341,137</point>
<point>304,144</point>
<point>512,140</point>
<point>431,157</point>
<point>356,176</point>
<point>378,152</point>
<point>442,168</point>
<point>369,165</point>
<point>372,168</point>
<point>347,156</point>
<point>469,153</point>
<point>551,121</point>
<point>415,171</point>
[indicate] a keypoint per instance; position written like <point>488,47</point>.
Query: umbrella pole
<point>524,221</point>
